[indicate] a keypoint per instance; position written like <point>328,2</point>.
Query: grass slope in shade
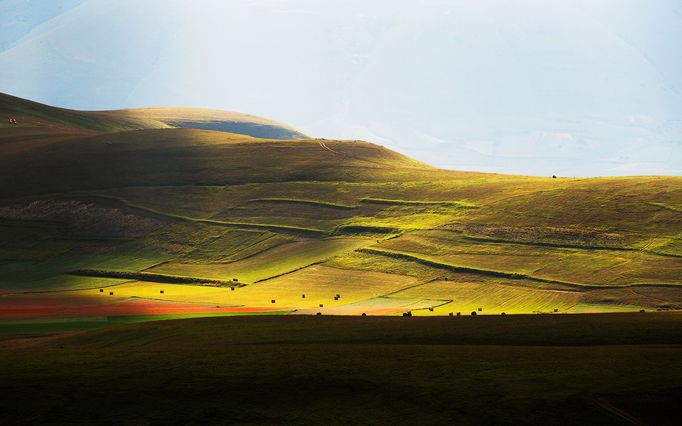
<point>571,369</point>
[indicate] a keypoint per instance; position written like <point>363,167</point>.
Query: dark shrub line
<point>157,278</point>
<point>365,229</point>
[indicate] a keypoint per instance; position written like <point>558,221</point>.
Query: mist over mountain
<point>572,88</point>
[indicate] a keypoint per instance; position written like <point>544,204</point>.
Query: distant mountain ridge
<point>29,112</point>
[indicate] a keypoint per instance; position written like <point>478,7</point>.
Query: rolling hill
<point>176,212</point>
<point>33,114</point>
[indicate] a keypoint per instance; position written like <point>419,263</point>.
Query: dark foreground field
<point>541,369</point>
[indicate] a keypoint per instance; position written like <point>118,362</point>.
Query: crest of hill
<point>55,150</point>
<point>208,119</point>
<point>34,114</point>
<point>190,157</point>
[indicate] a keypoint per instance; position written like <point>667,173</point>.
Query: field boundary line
<point>395,202</point>
<point>621,414</point>
<point>501,274</point>
<point>458,268</point>
<point>290,272</point>
<point>419,284</point>
<point>236,225</point>
<point>157,278</point>
<point>565,246</point>
<point>303,201</point>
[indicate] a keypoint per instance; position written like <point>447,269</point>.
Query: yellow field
<point>279,260</point>
<point>320,284</point>
<point>171,293</point>
<point>493,298</point>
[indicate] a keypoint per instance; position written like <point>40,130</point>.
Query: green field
<point>522,369</point>
<point>164,207</point>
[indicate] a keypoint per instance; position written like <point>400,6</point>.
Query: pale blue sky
<point>568,87</point>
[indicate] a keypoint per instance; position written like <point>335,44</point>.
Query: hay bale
<point>450,314</point>
<point>473,313</point>
<point>319,313</point>
<point>161,291</point>
<point>231,288</point>
<point>364,314</point>
<point>459,314</point>
<point>235,279</point>
<point>641,311</point>
<point>101,290</point>
<point>111,293</point>
<point>503,313</point>
<point>303,296</point>
<point>431,308</point>
<point>321,305</point>
<point>556,309</point>
<point>480,309</point>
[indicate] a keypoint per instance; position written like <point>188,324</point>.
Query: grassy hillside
<point>352,226</point>
<point>609,369</point>
<point>32,114</point>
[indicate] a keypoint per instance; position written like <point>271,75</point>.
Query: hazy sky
<point>568,87</point>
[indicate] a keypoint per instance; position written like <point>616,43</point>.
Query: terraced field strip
<point>295,230</point>
<point>545,244</point>
<point>306,202</point>
<point>567,245</point>
<point>493,298</point>
<point>460,204</point>
<point>677,209</point>
<point>457,268</point>
<point>157,278</point>
<point>269,263</point>
<point>571,286</point>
